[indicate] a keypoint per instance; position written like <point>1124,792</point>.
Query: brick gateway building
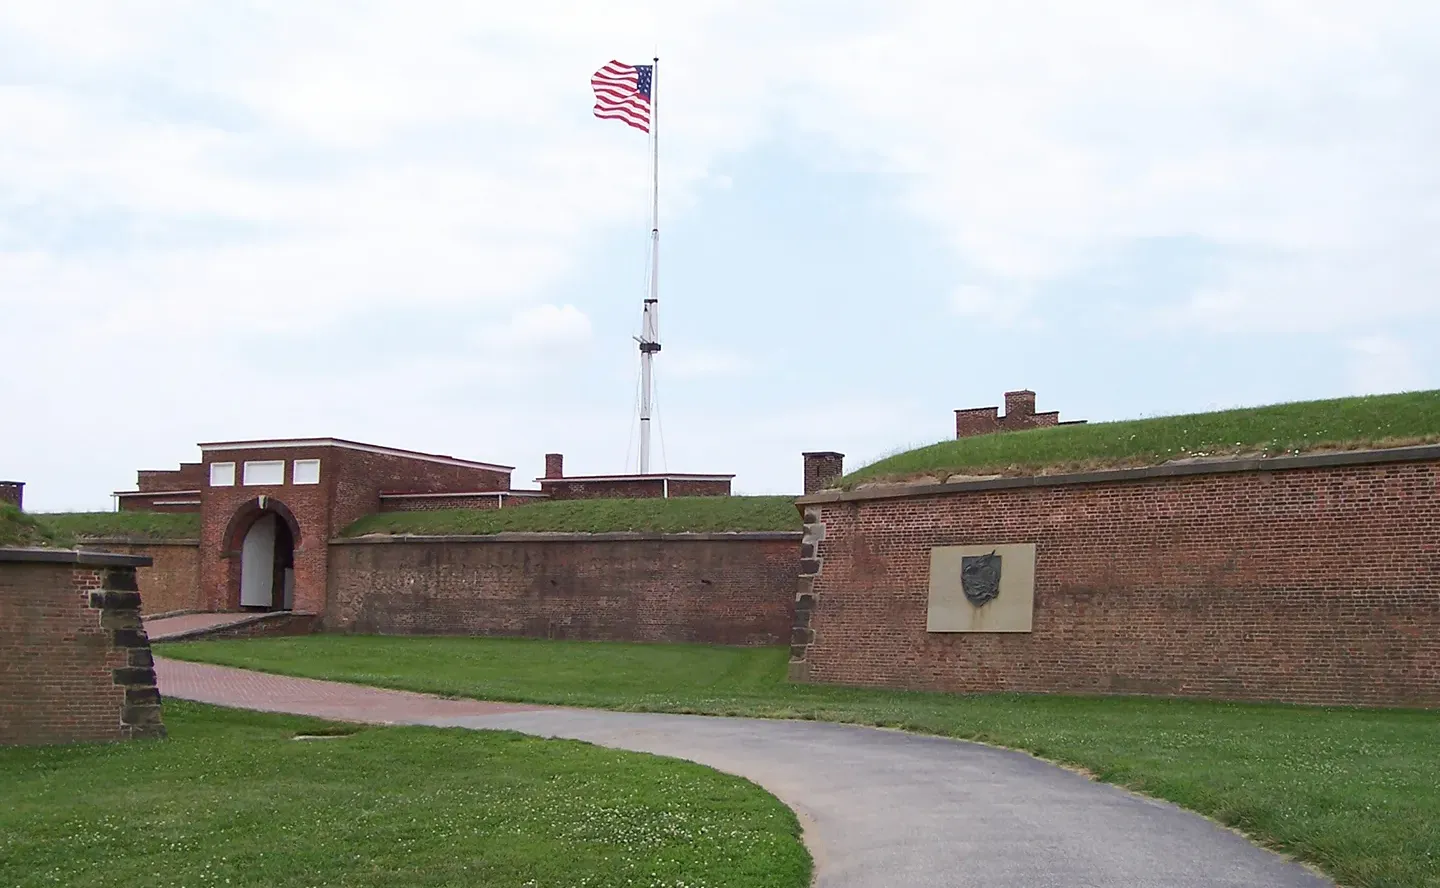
<point>268,509</point>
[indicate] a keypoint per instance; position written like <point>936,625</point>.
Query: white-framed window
<point>264,471</point>
<point>305,471</point>
<point>222,474</point>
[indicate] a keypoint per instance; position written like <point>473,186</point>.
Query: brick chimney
<point>1019,405</point>
<point>822,469</point>
<point>13,492</point>
<point>554,465</point>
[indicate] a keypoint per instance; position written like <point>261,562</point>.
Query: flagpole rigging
<point>650,324</point>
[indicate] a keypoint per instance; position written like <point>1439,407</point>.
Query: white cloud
<point>705,362</point>
<point>261,171</point>
<point>1382,364</point>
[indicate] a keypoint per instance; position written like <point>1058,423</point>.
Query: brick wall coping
<point>75,556</point>
<point>156,492</point>
<point>664,476</point>
<point>138,540</point>
<point>1421,453</point>
<point>612,537</point>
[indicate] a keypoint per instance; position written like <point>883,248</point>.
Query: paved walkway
<point>881,808</point>
<point>167,627</point>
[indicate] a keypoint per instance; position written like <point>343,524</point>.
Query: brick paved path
<point>881,808</point>
<point>166,627</point>
<point>303,696</point>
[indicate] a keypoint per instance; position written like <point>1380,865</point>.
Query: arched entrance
<point>262,539</point>
<point>267,565</point>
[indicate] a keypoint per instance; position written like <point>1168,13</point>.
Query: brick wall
<point>718,588</point>
<point>1019,415</point>
<point>1310,579</point>
<point>13,492</point>
<point>172,581</point>
<point>75,664</point>
<point>190,476</point>
<point>822,468</point>
<point>457,501</point>
<point>632,488</point>
<point>161,502</point>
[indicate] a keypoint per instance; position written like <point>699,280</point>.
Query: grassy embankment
<point>1276,430</point>
<point>139,525</point>
<point>26,531</point>
<point>690,514</point>
<point>1356,792</point>
<point>233,799</point>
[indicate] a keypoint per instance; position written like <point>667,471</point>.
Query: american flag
<point>622,92</point>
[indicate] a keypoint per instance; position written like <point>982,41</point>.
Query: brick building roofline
<point>405,494</point>
<point>281,443</point>
<point>670,476</point>
<point>156,492</point>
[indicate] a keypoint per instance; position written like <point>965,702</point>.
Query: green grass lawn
<point>1344,423</point>
<point>142,525</point>
<point>26,531</point>
<point>232,799</point>
<point>674,515</point>
<point>1356,792</point>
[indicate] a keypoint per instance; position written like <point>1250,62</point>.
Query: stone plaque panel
<point>1001,578</point>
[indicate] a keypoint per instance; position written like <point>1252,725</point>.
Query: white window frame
<point>259,465</point>
<point>225,476</point>
<point>307,469</point>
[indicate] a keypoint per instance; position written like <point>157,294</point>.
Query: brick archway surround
<point>309,553</point>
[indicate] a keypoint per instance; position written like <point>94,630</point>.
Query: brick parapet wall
<point>713,588</point>
<point>171,581</point>
<point>75,663</point>
<point>1311,579</point>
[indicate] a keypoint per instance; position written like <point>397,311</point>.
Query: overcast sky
<point>399,222</point>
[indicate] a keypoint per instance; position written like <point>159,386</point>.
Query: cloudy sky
<point>399,222</point>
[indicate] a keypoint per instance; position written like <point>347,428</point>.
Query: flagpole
<point>650,326</point>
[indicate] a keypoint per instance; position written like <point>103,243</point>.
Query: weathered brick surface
<point>1310,585</point>
<point>1019,415</point>
<point>481,501</point>
<point>160,502</point>
<point>172,582</point>
<point>75,664</point>
<point>822,468</point>
<point>631,488</point>
<point>350,486</point>
<point>13,492</point>
<point>190,476</point>
<point>721,588</point>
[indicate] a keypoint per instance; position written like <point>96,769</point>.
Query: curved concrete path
<point>881,808</point>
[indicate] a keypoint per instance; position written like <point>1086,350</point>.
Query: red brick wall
<point>310,504</point>
<point>822,469</point>
<point>1316,584</point>
<point>682,487</point>
<point>569,489</point>
<point>718,588</point>
<point>350,485</point>
<point>190,476</point>
<point>439,503</point>
<point>151,503</point>
<point>637,488</point>
<point>172,582</point>
<point>74,662</point>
